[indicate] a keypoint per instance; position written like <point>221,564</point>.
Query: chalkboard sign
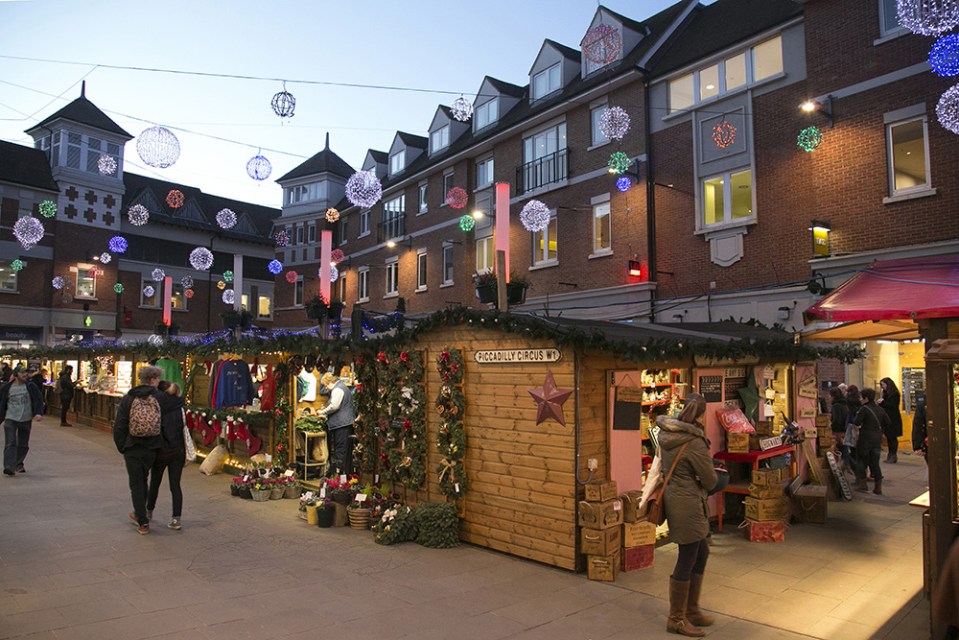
<point>913,382</point>
<point>627,409</point>
<point>711,388</point>
<point>733,385</point>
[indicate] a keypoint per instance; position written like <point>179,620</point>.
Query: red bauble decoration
<point>336,256</point>
<point>457,198</point>
<point>724,134</point>
<point>175,199</point>
<point>291,276</point>
<point>188,293</point>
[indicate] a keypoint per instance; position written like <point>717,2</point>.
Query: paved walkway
<point>71,566</point>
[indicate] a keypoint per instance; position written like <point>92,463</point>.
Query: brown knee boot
<point>878,488</point>
<point>677,622</point>
<point>693,613</point>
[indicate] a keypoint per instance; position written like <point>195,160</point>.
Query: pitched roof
<point>85,112</point>
<point>25,166</point>
<point>380,157</point>
<point>568,52</point>
<point>323,162</point>
<point>505,88</point>
<point>629,23</point>
<point>411,140</point>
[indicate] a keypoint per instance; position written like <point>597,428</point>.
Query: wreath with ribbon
<point>451,436</point>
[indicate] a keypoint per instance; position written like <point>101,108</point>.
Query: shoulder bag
<point>656,510</point>
<point>188,440</point>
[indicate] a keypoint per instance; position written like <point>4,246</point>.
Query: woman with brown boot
<point>686,512</point>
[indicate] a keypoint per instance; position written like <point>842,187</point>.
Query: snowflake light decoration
<point>17,264</point>
<point>148,291</point>
<point>275,267</point>
<point>28,231</point>
<point>186,282</point>
<point>457,198</point>
<point>258,167</point>
<point>724,134</point>
<point>282,238</point>
<point>619,163</point>
<point>226,218</point>
<point>291,276</point>
<point>947,109</point>
<point>614,123</point>
<point>158,275</point>
<point>623,183</point>
<point>158,147</point>
<point>336,256</point>
<point>334,273</point>
<point>47,208</point>
<point>118,288</point>
<point>928,17</point>
<point>467,223</point>
<point>229,297</point>
<point>944,57</point>
<point>283,103</point>
<point>364,189</point>
<point>535,216</point>
<point>332,215</point>
<point>118,244</point>
<point>58,282</point>
<point>105,257</point>
<point>228,276</point>
<point>602,44</point>
<point>188,293</point>
<point>138,215</point>
<point>107,165</point>
<point>462,109</point>
<point>809,139</point>
<point>201,259</point>
<point>175,198</point>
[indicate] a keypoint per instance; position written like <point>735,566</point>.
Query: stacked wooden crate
<point>600,520</point>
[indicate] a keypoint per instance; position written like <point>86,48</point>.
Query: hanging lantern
<point>47,208</point>
<point>138,215</point>
<point>614,123</point>
<point>535,216</point>
<point>947,109</point>
<point>259,168</point>
<point>107,165</point>
<point>226,218</point>
<point>364,189</point>
<point>148,291</point>
<point>58,282</point>
<point>282,238</point>
<point>28,231</point>
<point>457,198</point>
<point>332,215</point>
<point>229,297</point>
<point>186,282</point>
<point>602,44</point>
<point>105,258</point>
<point>16,264</point>
<point>467,223</point>
<point>188,293</point>
<point>158,275</point>
<point>928,17</point>
<point>118,288</point>
<point>283,103</point>
<point>175,199</point>
<point>201,259</point>
<point>158,147</point>
<point>623,183</point>
<point>724,134</point>
<point>462,109</point>
<point>291,276</point>
<point>275,267</point>
<point>228,276</point>
<point>336,256</point>
<point>809,139</point>
<point>118,244</point>
<point>619,163</point>
<point>334,273</point>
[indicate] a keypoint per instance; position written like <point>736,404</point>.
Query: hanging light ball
<point>28,231</point>
<point>186,282</point>
<point>107,165</point>
<point>334,273</point>
<point>623,183</point>
<point>158,147</point>
<point>47,208</point>
<point>364,189</point>
<point>118,244</point>
<point>138,215</point>
<point>724,134</point>
<point>283,104</point>
<point>619,163</point>
<point>332,215</point>
<point>535,216</point>
<point>282,238</point>
<point>944,57</point>
<point>175,198</point>
<point>291,276</point>
<point>809,139</point>
<point>188,293</point>
<point>226,218</point>
<point>158,275</point>
<point>614,123</point>
<point>275,267</point>
<point>58,282</point>
<point>259,168</point>
<point>229,297</point>
<point>105,258</point>
<point>602,44</point>
<point>947,110</point>
<point>221,285</point>
<point>467,223</point>
<point>148,291</point>
<point>118,288</point>
<point>462,109</point>
<point>336,256</point>
<point>201,258</point>
<point>457,198</point>
<point>228,276</point>
<point>928,17</point>
<point>16,264</point>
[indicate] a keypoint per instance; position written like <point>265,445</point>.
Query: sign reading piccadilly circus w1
<point>500,356</point>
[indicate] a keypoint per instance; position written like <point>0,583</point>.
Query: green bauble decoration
<point>47,208</point>
<point>809,139</point>
<point>228,276</point>
<point>118,288</point>
<point>467,223</point>
<point>619,163</point>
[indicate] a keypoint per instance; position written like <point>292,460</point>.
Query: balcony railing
<point>392,228</point>
<point>542,171</point>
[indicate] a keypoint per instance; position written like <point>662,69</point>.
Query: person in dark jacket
<point>65,391</point>
<point>889,402</point>
<point>139,453</point>
<point>340,414</point>
<point>920,444</point>
<point>872,422</point>
<point>172,455</point>
<point>686,511</point>
<point>20,404</point>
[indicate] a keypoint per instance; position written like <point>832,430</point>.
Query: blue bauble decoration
<point>275,267</point>
<point>623,183</point>
<point>259,168</point>
<point>944,56</point>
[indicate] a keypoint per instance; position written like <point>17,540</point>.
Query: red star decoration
<point>549,400</point>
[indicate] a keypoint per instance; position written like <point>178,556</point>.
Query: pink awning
<point>909,289</point>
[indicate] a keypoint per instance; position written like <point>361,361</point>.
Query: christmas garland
<point>451,436</point>
<point>402,433</point>
<point>229,423</point>
<point>281,415</point>
<point>365,426</point>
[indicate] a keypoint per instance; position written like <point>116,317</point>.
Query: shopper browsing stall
<point>889,402</point>
<point>340,414</point>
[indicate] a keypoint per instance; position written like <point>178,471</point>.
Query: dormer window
<point>546,82</point>
<point>439,139</point>
<point>397,162</point>
<point>486,114</point>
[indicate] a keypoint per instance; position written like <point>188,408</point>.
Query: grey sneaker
<point>175,524</point>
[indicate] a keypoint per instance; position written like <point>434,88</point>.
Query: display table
<point>752,459</point>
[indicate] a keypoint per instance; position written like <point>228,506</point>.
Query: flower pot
<point>516,292</point>
<point>261,496</point>
<point>277,491</point>
<point>234,490</point>
<point>324,517</point>
<point>311,514</point>
<point>342,496</point>
<point>359,518</point>
<point>340,519</point>
<point>246,492</point>
<point>292,492</point>
<point>486,293</point>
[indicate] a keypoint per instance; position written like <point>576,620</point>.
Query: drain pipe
<point>579,423</point>
<point>650,197</point>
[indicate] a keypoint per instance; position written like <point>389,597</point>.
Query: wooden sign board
<point>711,388</point>
<point>807,412</point>
<point>510,356</point>
<point>770,443</point>
<point>807,387</point>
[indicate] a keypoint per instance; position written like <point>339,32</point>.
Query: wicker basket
<point>277,491</point>
<point>262,496</point>
<point>292,492</point>
<point>359,518</point>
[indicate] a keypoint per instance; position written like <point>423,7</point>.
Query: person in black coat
<point>172,456</point>
<point>889,402</point>
<point>920,442</point>
<point>872,422</point>
<point>65,391</point>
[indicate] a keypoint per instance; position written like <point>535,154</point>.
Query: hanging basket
<point>359,518</point>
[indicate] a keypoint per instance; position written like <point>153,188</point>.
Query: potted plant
<point>336,310</point>
<point>485,284</point>
<point>262,488</point>
<point>233,318</point>
<point>516,289</point>
<point>316,308</point>
<point>360,509</point>
<point>173,329</point>
<point>325,511</point>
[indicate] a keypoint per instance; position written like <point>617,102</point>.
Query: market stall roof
<point>720,332</point>
<point>851,331</point>
<point>910,290</point>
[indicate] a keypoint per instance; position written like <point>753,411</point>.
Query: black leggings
<point>175,466</point>
<point>692,559</point>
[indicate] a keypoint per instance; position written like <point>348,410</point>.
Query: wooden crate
<point>737,442</point>
<point>639,534</point>
<point>773,531</point>
<point>600,515</point>
<point>763,477</point>
<point>631,501</point>
<point>600,542</point>
<point>640,557</point>
<point>764,509</point>
<point>812,503</point>
<point>601,491</point>
<point>605,568</point>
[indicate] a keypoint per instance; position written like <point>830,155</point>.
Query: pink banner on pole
<point>167,300</point>
<point>326,248</point>
<point>502,222</point>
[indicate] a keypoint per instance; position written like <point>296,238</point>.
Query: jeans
<point>868,457</point>
<point>17,443</point>
<point>691,559</point>
<point>175,465</point>
<point>341,449</point>
<point>139,461</point>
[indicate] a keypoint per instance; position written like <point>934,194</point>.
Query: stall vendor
<point>340,414</point>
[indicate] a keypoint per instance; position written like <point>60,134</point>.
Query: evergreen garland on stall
<point>402,402</point>
<point>365,426</point>
<point>451,436</point>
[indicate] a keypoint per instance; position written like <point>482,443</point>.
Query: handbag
<point>656,510</point>
<point>188,441</point>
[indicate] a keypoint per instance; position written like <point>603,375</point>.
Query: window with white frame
<point>151,300</point>
<point>546,82</point>
<point>486,114</point>
<point>344,229</point>
<point>421,270</point>
<point>363,284</point>
<point>392,276</point>
<point>602,228</point>
<point>483,211</point>
<point>734,72</point>
<point>888,18</point>
<point>8,277</point>
<point>298,292</point>
<point>306,193</point>
<point>595,117</point>
<point>908,151</point>
<point>708,82</point>
<point>440,139</point>
<point>341,286</point>
<point>484,172</point>
<point>544,143</point>
<point>177,299</point>
<point>86,282</point>
<point>264,307</point>
<point>447,185</point>
<point>485,254</point>
<point>423,203</point>
<point>73,150</point>
<point>545,243</point>
<point>681,93</point>
<point>312,236</point>
<point>364,222</point>
<point>767,59</point>
<point>397,162</point>
<point>299,235</point>
<point>447,264</point>
<point>727,197</point>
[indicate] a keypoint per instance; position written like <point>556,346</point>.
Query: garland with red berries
<point>451,436</point>
<point>402,433</point>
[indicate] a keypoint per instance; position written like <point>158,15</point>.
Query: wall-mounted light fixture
<point>823,106</point>
<point>820,237</point>
<point>392,242</point>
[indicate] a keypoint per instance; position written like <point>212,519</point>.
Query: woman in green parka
<point>686,511</point>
